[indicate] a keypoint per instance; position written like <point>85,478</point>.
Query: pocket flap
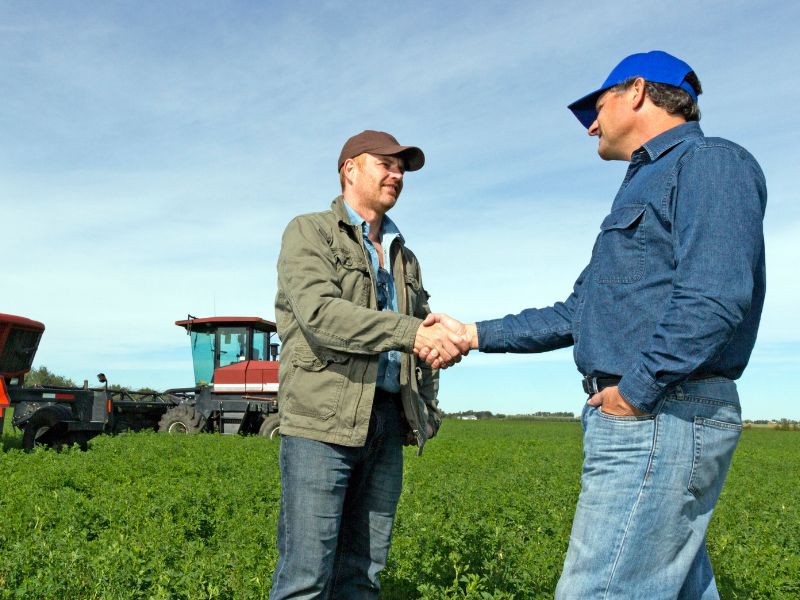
<point>311,361</point>
<point>624,217</point>
<point>412,281</point>
<point>350,260</point>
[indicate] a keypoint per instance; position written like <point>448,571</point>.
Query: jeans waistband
<point>594,385</point>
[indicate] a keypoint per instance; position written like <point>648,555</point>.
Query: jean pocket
<point>624,418</point>
<point>714,444</point>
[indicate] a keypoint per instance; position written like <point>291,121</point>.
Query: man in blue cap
<point>663,320</point>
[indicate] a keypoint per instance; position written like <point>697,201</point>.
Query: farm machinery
<point>236,386</point>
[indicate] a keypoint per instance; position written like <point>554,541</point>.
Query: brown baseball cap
<point>382,144</point>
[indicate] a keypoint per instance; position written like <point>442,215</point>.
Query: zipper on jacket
<point>420,442</point>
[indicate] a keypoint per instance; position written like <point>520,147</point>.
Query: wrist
<point>472,335</point>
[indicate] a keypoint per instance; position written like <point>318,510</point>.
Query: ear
<point>349,166</point>
<point>638,93</point>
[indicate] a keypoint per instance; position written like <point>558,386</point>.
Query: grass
<point>485,513</point>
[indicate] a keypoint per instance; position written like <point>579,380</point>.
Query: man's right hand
<point>438,345</point>
<point>467,339</point>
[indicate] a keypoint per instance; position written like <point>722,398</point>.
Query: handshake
<point>442,340</point>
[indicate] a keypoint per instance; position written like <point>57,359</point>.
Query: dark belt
<point>594,385</point>
<point>382,396</point>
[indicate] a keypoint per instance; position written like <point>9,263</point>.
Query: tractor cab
<point>234,354</point>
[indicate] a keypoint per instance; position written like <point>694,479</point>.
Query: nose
<point>594,128</point>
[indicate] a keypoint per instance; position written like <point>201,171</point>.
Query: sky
<point>151,154</point>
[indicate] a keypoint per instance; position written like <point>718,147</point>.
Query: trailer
<point>236,384</point>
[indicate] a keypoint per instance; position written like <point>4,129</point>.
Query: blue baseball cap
<point>655,66</point>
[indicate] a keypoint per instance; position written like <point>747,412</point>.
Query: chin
<point>604,153</point>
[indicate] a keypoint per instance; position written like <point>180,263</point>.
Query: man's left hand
<point>612,403</point>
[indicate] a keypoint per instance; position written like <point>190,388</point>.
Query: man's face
<point>613,125</point>
<point>378,181</point>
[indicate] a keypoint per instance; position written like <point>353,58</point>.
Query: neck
<point>653,127</point>
<point>374,218</point>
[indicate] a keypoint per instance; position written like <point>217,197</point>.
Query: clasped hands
<point>441,340</point>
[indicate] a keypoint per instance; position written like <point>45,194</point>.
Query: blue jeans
<point>337,510</point>
<point>648,489</point>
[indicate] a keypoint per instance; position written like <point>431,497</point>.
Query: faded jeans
<point>337,510</point>
<point>648,489</point>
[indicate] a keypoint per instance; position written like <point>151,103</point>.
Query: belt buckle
<point>590,385</point>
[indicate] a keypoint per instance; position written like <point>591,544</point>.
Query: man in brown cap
<point>349,310</point>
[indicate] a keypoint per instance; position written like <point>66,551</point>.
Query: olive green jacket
<point>332,333</point>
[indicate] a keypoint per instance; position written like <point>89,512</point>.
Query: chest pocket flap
<point>623,218</point>
<point>350,259</point>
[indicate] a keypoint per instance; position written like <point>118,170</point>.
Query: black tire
<point>270,427</point>
<point>48,427</point>
<point>182,419</point>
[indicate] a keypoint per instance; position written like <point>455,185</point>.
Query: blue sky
<point>152,153</point>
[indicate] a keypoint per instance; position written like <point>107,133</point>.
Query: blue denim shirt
<point>676,282</point>
<point>388,362</point>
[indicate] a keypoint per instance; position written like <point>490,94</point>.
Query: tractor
<point>236,387</point>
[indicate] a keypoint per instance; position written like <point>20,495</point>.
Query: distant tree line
<point>486,414</point>
<point>43,377</point>
<point>479,414</point>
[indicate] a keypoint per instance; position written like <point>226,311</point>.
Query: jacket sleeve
<point>534,329</point>
<point>308,278</point>
<point>428,377</point>
<point>718,210</point>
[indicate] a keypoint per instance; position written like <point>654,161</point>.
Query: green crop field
<point>485,513</point>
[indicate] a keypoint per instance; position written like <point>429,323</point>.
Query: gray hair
<point>675,100</point>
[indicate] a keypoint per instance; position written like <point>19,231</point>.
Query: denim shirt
<point>388,362</point>
<point>676,282</point>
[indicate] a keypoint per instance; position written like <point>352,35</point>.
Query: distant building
<point>468,418</point>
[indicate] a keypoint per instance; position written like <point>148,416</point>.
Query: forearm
<point>532,330</point>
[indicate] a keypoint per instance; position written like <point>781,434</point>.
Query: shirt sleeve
<point>717,211</point>
<point>534,329</point>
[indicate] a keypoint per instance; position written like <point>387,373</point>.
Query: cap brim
<point>412,156</point>
<point>585,108</point>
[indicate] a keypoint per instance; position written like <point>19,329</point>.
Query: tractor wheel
<point>47,427</point>
<point>181,419</point>
<point>270,427</point>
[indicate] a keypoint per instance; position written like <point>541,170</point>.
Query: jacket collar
<point>339,209</point>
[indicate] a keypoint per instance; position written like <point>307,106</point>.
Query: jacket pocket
<point>317,382</point>
<point>621,248</point>
<point>353,274</point>
<point>417,296</point>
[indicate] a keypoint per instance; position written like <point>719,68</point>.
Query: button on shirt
<point>388,362</point>
<point>677,278</point>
